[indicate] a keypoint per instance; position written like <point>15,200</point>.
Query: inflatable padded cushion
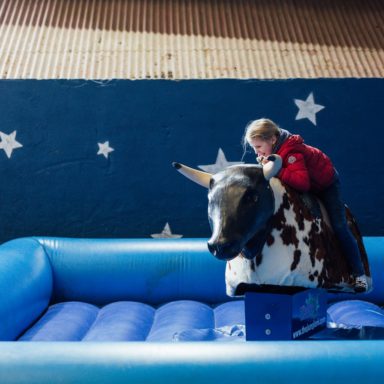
<point>133,321</point>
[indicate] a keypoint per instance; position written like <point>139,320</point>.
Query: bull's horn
<point>272,167</point>
<point>199,177</point>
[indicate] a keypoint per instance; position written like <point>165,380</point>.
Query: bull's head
<point>240,205</point>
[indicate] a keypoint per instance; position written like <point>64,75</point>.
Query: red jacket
<point>305,168</point>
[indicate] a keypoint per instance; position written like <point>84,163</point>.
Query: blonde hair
<point>263,129</point>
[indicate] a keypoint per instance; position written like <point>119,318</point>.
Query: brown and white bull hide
<point>300,251</point>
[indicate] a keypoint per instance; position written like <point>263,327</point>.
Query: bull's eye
<point>211,183</point>
<point>251,198</point>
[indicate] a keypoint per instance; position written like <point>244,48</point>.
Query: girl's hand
<point>261,159</point>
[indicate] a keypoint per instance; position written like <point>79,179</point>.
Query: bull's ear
<point>199,177</point>
<point>272,167</point>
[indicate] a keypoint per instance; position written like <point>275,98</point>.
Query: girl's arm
<point>295,172</point>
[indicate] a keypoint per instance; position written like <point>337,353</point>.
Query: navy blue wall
<point>57,184</point>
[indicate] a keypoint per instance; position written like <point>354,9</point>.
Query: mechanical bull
<point>272,237</point>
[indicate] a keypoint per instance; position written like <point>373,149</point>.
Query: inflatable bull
<point>272,237</point>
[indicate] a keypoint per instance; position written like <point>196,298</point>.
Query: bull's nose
<point>212,248</point>
<point>223,250</point>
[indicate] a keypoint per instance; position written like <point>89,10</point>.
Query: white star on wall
<point>9,143</point>
<point>220,165</point>
<point>104,149</point>
<point>308,109</point>
<point>166,233</point>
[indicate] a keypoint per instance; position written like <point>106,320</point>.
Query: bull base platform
<point>291,316</point>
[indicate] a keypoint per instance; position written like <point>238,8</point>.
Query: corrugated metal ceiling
<point>191,39</point>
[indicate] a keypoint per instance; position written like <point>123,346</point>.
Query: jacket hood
<point>283,137</point>
<point>291,141</point>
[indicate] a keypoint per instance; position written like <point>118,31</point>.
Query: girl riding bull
<point>306,168</point>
